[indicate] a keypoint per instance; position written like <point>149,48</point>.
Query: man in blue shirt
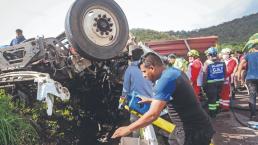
<point>19,38</point>
<point>251,78</point>
<point>135,82</point>
<point>133,78</point>
<point>172,88</point>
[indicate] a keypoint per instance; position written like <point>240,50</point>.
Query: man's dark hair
<point>151,59</point>
<point>18,31</point>
<point>136,54</point>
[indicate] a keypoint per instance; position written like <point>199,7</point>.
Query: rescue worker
<point>231,66</point>
<point>251,76</point>
<point>172,88</point>
<point>214,75</point>
<point>135,82</point>
<point>18,39</point>
<point>195,73</point>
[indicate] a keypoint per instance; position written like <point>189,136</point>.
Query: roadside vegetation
<point>233,34</point>
<point>14,129</point>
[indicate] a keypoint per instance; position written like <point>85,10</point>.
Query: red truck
<point>182,46</point>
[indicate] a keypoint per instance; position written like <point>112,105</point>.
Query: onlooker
<point>177,62</point>
<point>251,77</point>
<point>19,38</point>
<point>135,82</point>
<point>239,54</point>
<point>171,59</point>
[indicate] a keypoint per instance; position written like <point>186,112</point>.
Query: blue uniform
<point>215,76</point>
<point>216,72</point>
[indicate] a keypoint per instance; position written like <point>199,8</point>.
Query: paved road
<point>229,131</point>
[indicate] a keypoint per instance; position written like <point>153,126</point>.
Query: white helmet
<point>226,51</point>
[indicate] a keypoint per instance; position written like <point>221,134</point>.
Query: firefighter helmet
<point>212,51</point>
<point>193,53</point>
<point>226,51</point>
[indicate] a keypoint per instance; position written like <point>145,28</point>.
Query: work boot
<point>212,113</point>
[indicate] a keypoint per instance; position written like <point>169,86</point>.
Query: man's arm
<point>240,67</point>
<point>150,116</point>
<point>126,83</point>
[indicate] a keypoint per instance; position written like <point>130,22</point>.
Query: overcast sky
<point>46,17</point>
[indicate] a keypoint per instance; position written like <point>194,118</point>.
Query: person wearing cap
<point>231,66</point>
<point>171,59</point>
<point>135,82</point>
<point>177,62</point>
<point>214,76</point>
<point>18,39</point>
<point>194,72</point>
<point>251,59</point>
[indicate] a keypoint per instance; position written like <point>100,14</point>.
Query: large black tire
<point>77,37</point>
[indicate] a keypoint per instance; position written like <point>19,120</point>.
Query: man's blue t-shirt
<point>174,87</point>
<point>252,60</point>
<point>166,84</point>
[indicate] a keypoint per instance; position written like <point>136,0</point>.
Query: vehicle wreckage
<point>84,64</point>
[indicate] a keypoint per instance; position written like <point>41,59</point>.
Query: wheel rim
<point>100,25</point>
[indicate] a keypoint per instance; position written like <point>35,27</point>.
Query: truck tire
<point>98,29</point>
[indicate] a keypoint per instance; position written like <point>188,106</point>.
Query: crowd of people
<point>181,85</point>
<point>219,77</point>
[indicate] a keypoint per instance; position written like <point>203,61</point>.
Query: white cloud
<point>37,17</point>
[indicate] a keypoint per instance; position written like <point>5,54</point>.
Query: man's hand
<point>156,107</point>
<point>122,131</point>
<point>145,100</point>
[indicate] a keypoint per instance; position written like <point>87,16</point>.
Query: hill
<point>146,35</point>
<point>233,32</point>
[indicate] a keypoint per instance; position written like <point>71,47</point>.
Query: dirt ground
<point>231,132</point>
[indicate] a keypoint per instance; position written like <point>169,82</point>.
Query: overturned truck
<point>84,65</point>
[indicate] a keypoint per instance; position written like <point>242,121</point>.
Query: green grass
<point>14,129</point>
